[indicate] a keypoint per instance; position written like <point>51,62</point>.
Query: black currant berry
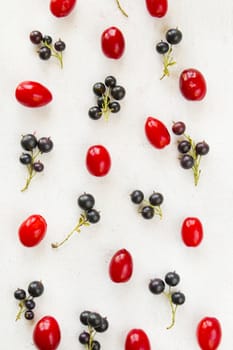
<point>95,345</point>
<point>84,338</point>
<point>93,216</point>
<point>25,158</point>
<point>174,36</point>
<point>95,112</point>
<point>202,148</point>
<point>45,144</point>
<point>44,52</point>
<point>99,89</point>
<point>94,319</point>
<point>59,45</point>
<point>137,196</point>
<point>38,167</point>
<point>156,286</point>
<point>86,201</point>
<point>187,161</point>
<point>172,279</point>
<point>101,101</point>
<point>30,304</point>
<point>178,298</point>
<point>47,39</point>
<point>20,294</point>
<point>184,146</point>
<point>178,128</point>
<point>162,47</point>
<point>110,81</point>
<point>29,315</point>
<point>147,212</point>
<point>114,106</point>
<point>118,92</point>
<point>84,317</point>
<point>35,289</point>
<point>103,326</point>
<point>156,199</point>
<point>36,37</point>
<point>28,142</point>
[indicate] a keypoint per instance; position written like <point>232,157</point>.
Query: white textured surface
<point>76,276</point>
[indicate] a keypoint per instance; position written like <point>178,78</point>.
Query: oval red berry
<point>32,94</point>
<point>98,160</point>
<point>113,43</point>
<point>192,231</point>
<point>47,334</point>
<point>157,133</point>
<point>32,230</point>
<point>62,8</point>
<point>157,8</point>
<point>209,333</point>
<point>137,339</point>
<point>192,84</point>
<point>121,266</point>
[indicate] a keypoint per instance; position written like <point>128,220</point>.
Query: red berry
<point>46,334</point>
<point>113,43</point>
<point>62,8</point>
<point>32,94</point>
<point>137,340</point>
<point>192,84</point>
<point>209,333</point>
<point>157,133</point>
<point>157,8</point>
<point>98,160</point>
<point>192,232</point>
<point>121,266</point>
<point>32,230</point>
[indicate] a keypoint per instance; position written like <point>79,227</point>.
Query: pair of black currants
<point>148,208</point>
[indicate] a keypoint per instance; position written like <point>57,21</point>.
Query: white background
<point>76,276</point>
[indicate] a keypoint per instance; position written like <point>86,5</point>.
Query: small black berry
<point>47,39</point>
<point>20,294</point>
<point>45,144</point>
<point>44,52</point>
<point>202,148</point>
<point>36,37</point>
<point>93,216</point>
<point>157,286</point>
<point>86,201</point>
<point>110,81</point>
<point>118,92</point>
<point>101,101</point>
<point>187,161</point>
<point>114,106</point>
<point>147,212</point>
<point>178,128</point>
<point>137,196</point>
<point>178,298</point>
<point>59,45</point>
<point>30,304</point>
<point>84,338</point>
<point>95,113</point>
<point>172,279</point>
<point>174,36</point>
<point>84,317</point>
<point>35,289</point>
<point>29,315</point>
<point>99,89</point>
<point>95,345</point>
<point>156,199</point>
<point>184,146</point>
<point>94,319</point>
<point>162,47</point>
<point>103,326</point>
<point>25,158</point>
<point>38,167</point>
<point>28,142</point>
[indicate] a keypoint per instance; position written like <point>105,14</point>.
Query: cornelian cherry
<point>209,333</point>
<point>192,231</point>
<point>98,160</point>
<point>47,334</point>
<point>157,133</point>
<point>32,94</point>
<point>121,266</point>
<point>193,84</point>
<point>113,43</point>
<point>157,8</point>
<point>137,339</point>
<point>62,8</point>
<point>32,230</point>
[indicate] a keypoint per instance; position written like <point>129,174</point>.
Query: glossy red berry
<point>209,333</point>
<point>137,339</point>
<point>62,8</point>
<point>113,43</point>
<point>192,232</point>
<point>32,230</point>
<point>157,133</point>
<point>192,84</point>
<point>47,334</point>
<point>121,266</point>
<point>32,94</point>
<point>157,8</point>
<point>98,160</point>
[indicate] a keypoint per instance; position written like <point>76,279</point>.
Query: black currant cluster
<point>45,47</point>
<point>106,93</point>
<point>148,208</point>
<point>89,216</point>
<point>173,37</point>
<point>95,323</point>
<point>190,151</point>
<point>34,149</point>
<point>157,286</point>
<point>27,303</point>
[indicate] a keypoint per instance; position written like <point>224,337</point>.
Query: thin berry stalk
<point>168,61</point>
<point>22,309</point>
<point>91,339</point>
<point>197,159</point>
<point>121,8</point>
<point>105,107</point>
<point>55,54</point>
<point>173,309</point>
<point>31,171</point>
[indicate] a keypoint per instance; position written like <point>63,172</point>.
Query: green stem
<point>197,159</point>
<point>121,9</point>
<point>21,310</point>
<point>158,211</point>
<point>31,172</point>
<point>167,62</point>
<point>105,107</point>
<point>92,335</point>
<point>173,309</point>
<point>55,53</point>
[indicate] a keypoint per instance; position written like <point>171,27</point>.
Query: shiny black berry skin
<point>178,128</point>
<point>84,338</point>
<point>137,196</point>
<point>84,317</point>
<point>25,158</point>
<point>95,345</point>
<point>202,148</point>
<point>156,199</point>
<point>94,319</point>
<point>103,326</point>
<point>172,279</point>
<point>35,289</point>
<point>99,89</point>
<point>86,201</point>
<point>187,161</point>
<point>156,286</point>
<point>30,304</point>
<point>36,37</point>
<point>59,46</point>
<point>20,294</point>
<point>178,298</point>
<point>38,167</point>
<point>45,144</point>
<point>184,146</point>
<point>110,81</point>
<point>114,106</point>
<point>118,92</point>
<point>29,315</point>
<point>28,142</point>
<point>44,52</point>
<point>162,47</point>
<point>47,39</point>
<point>147,212</point>
<point>101,101</point>
<point>174,36</point>
<point>93,216</point>
<point>95,113</point>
